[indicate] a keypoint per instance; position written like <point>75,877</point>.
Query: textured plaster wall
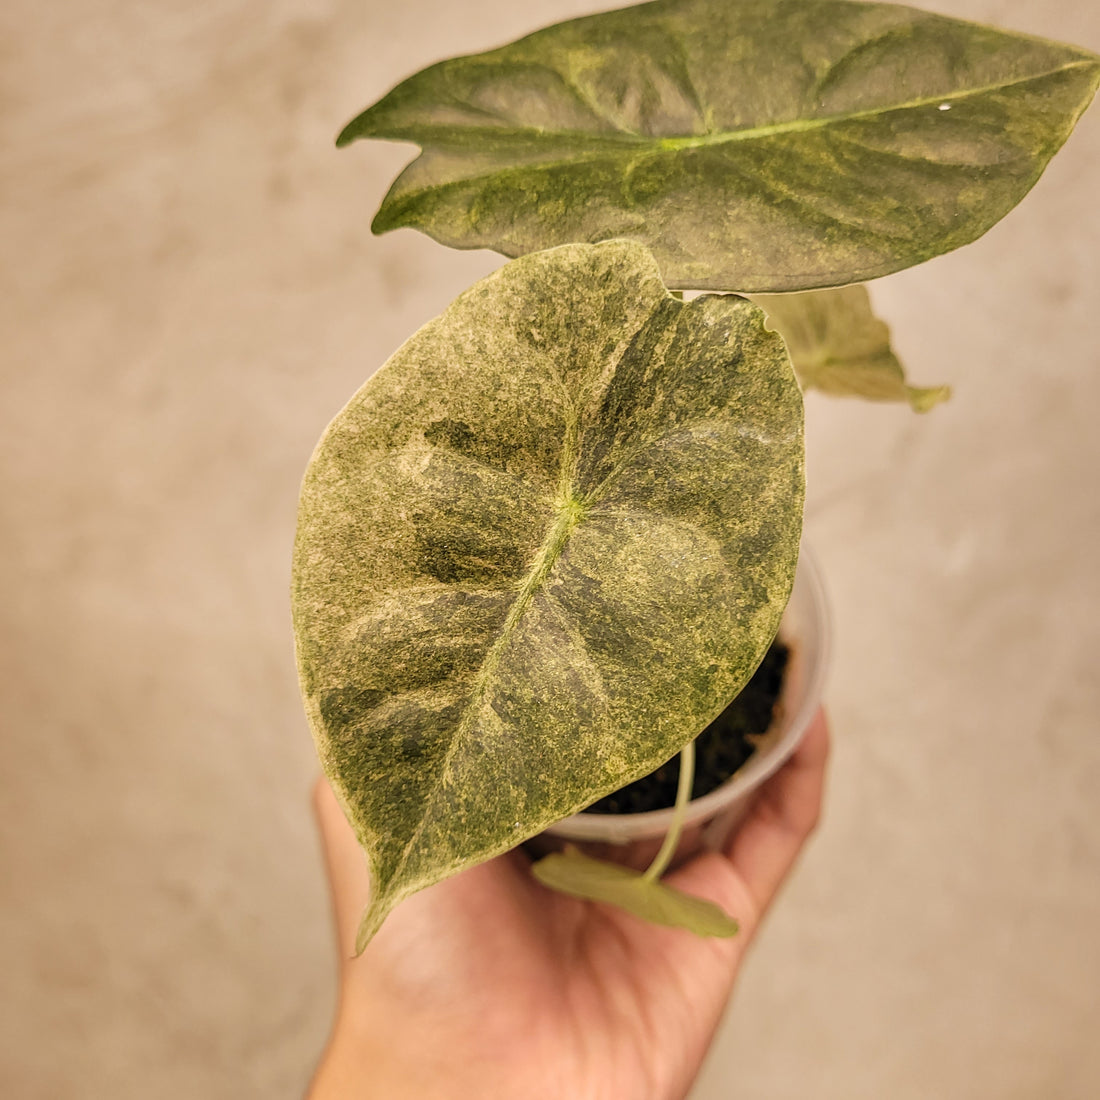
<point>189,290</point>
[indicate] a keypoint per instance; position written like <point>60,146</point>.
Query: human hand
<point>489,985</point>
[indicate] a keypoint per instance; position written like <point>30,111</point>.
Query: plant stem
<point>683,797</point>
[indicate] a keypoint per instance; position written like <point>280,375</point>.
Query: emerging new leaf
<point>763,145</point>
<point>574,873</point>
<point>840,347</point>
<point>538,552</point>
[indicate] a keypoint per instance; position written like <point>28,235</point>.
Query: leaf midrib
<point>634,141</point>
<point>570,511</point>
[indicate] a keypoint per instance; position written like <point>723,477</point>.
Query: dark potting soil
<point>719,750</point>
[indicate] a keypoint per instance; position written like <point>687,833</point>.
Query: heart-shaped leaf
<point>839,346</point>
<point>539,551</point>
<point>573,873</point>
<point>764,145</point>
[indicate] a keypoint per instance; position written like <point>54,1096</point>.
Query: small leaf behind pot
<point>538,552</point>
<point>763,145</point>
<point>840,347</point>
<point>573,873</point>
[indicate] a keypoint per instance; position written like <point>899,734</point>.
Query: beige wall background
<point>189,290</point>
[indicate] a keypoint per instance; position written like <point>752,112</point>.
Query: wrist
<point>367,1063</point>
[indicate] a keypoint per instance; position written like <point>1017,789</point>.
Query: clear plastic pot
<point>633,839</point>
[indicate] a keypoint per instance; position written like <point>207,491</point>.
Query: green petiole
<point>683,796</point>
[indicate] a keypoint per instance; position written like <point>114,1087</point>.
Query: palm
<point>556,996</point>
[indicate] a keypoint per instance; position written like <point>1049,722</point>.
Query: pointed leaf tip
<point>924,398</point>
<point>372,919</point>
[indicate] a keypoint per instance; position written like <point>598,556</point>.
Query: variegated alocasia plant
<point>552,537</point>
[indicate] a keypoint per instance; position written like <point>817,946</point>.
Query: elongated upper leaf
<point>539,551</point>
<point>839,346</point>
<point>762,145</point>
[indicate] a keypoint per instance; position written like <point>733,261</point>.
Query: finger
<point>346,865</point>
<point>785,813</point>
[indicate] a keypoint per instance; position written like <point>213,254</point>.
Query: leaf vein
<point>437,135</point>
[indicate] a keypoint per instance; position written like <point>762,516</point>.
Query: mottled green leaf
<point>539,551</point>
<point>571,872</point>
<point>839,346</point>
<point>764,145</point>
